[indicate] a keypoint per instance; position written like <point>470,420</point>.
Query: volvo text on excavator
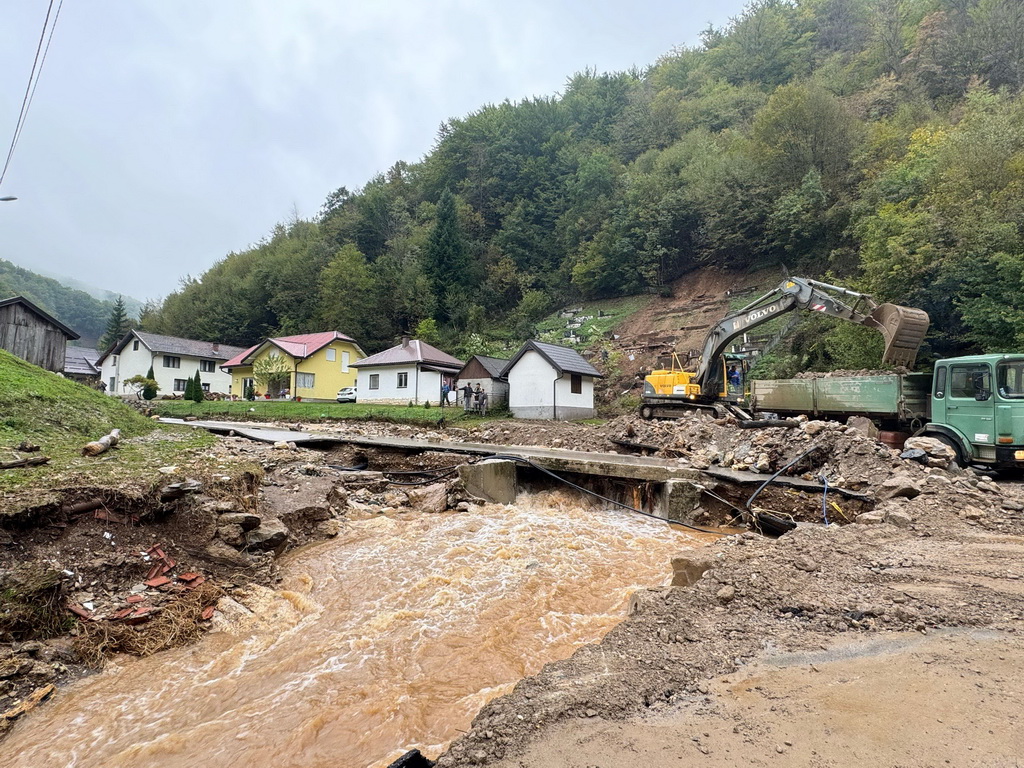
<point>719,383</point>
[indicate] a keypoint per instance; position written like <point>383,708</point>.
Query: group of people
<point>472,399</point>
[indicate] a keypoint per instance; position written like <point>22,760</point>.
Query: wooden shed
<point>31,334</point>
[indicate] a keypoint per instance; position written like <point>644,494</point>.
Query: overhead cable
<point>33,81</point>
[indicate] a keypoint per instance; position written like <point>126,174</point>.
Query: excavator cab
<point>734,388</point>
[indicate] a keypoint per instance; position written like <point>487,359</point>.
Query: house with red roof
<point>412,371</point>
<point>308,366</point>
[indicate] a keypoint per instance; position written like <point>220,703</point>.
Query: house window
<point>304,380</point>
<point>332,354</point>
<point>344,361</point>
<point>403,380</point>
<point>135,346</point>
<point>246,383</point>
<point>179,385</point>
<point>576,384</point>
<point>206,387</point>
<point>172,362</point>
<point>113,384</point>
<point>208,366</point>
<point>374,381</point>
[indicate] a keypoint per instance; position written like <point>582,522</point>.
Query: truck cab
<point>978,408</point>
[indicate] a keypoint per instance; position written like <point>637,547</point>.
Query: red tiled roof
<point>415,352</point>
<point>300,346</point>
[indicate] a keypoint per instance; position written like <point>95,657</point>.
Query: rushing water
<point>389,637</point>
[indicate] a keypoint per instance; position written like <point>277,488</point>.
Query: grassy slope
<point>611,311</point>
<point>44,407</point>
<point>61,416</point>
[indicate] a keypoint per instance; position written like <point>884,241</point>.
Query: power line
<point>33,81</point>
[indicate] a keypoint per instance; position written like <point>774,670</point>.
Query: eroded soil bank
<point>694,675</point>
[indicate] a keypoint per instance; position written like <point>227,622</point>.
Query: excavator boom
<point>903,328</point>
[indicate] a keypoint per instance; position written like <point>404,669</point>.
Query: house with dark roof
<point>485,372</point>
<point>80,365</point>
<point>173,360</point>
<point>548,381</point>
<point>310,366</point>
<point>32,334</point>
<point>412,371</point>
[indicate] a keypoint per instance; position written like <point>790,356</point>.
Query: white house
<point>412,371</point>
<point>546,381</point>
<point>485,371</point>
<point>173,360</point>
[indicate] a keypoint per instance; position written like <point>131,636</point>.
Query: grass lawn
<point>288,410</point>
<point>60,416</point>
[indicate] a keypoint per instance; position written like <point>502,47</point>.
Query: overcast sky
<point>164,135</point>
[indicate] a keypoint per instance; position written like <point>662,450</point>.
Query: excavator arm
<point>904,328</point>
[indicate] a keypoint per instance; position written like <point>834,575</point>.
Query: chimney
<point>405,342</point>
<point>216,347</point>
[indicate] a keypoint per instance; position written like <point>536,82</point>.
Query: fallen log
<point>30,462</point>
<point>97,447</point>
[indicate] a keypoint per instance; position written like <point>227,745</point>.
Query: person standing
<point>444,392</point>
<point>467,397</point>
<point>481,401</point>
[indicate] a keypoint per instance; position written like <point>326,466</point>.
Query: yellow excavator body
<point>673,381</point>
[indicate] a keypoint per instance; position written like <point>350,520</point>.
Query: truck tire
<point>646,412</point>
<point>946,440</point>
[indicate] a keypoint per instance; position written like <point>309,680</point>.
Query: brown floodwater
<point>389,637</point>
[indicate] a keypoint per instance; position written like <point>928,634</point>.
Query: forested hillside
<point>76,309</point>
<point>880,142</point>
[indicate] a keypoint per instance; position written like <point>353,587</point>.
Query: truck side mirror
<point>982,395</point>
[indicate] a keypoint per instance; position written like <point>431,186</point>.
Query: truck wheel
<point>646,413</point>
<point>959,459</point>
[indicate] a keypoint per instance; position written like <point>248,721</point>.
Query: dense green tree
<point>118,324</point>
<point>446,260</point>
<point>197,388</point>
<point>150,389</point>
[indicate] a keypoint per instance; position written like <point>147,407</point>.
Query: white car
<point>347,395</point>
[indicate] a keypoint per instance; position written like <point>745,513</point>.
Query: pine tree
<point>197,389</point>
<point>190,384</point>
<point>149,392</point>
<point>446,259</point>
<point>117,325</point>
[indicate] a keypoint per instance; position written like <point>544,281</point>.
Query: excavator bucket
<point>904,330</point>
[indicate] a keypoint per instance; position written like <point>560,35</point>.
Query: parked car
<point>347,395</point>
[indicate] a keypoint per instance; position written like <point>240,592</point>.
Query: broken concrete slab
<point>493,480</point>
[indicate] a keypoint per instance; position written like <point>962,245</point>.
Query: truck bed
<point>894,397</point>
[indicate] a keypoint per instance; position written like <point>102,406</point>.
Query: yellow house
<point>315,365</point>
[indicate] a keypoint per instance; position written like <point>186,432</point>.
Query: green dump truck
<point>973,404</point>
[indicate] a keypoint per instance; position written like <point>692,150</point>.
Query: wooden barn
<point>31,334</point>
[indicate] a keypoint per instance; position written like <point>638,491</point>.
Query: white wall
<point>136,363</point>
<point>429,385</point>
<point>497,391</point>
<point>533,391</point>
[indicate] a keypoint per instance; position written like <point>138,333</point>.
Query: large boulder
<point>688,568</point>
<point>899,485</point>
<point>430,498</point>
<point>247,521</point>
<point>939,454</point>
<point>271,535</point>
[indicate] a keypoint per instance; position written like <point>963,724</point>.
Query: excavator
<point>719,383</point>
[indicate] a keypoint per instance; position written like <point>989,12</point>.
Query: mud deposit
<point>392,635</point>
